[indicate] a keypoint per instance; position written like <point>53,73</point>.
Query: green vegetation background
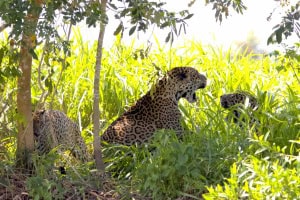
<point>216,159</point>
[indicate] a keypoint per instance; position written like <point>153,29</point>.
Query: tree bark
<point>25,140</point>
<point>96,114</point>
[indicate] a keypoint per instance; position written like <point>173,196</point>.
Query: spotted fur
<point>158,109</point>
<point>237,101</point>
<point>52,128</point>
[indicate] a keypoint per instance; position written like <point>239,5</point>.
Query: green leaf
<point>15,71</point>
<point>189,16</point>
<point>33,54</point>
<point>118,30</point>
<point>168,37</point>
<point>1,55</point>
<point>270,39</point>
<point>165,25</point>
<point>48,84</point>
<point>182,159</point>
<point>278,34</point>
<point>131,31</point>
<point>112,5</point>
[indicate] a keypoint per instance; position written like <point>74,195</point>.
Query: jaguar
<point>53,128</point>
<point>237,101</point>
<point>157,109</point>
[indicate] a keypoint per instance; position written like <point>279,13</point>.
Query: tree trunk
<point>25,141</point>
<point>96,114</point>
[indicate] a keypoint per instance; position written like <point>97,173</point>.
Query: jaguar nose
<point>202,85</point>
<point>203,80</point>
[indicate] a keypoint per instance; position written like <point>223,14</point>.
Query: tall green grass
<point>215,158</point>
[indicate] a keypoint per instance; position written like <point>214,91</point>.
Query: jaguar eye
<point>224,104</point>
<point>182,76</point>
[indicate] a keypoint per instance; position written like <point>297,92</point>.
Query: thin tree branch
<point>63,67</point>
<point>3,27</point>
<point>96,114</point>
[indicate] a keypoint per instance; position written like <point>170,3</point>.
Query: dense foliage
<point>216,159</point>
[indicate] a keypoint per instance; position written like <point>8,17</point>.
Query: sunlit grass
<point>211,147</point>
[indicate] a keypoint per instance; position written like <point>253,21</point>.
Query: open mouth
<point>190,96</point>
<point>193,98</point>
<point>201,86</point>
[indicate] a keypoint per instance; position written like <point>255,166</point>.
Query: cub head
<point>238,98</point>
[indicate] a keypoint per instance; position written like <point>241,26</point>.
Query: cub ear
<point>181,76</point>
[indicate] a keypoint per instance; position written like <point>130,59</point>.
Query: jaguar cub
<point>237,101</point>
<point>52,128</point>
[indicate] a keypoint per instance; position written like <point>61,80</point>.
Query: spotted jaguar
<point>52,128</point>
<point>157,109</point>
<point>237,101</point>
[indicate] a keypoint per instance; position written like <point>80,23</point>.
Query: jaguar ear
<point>181,76</point>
